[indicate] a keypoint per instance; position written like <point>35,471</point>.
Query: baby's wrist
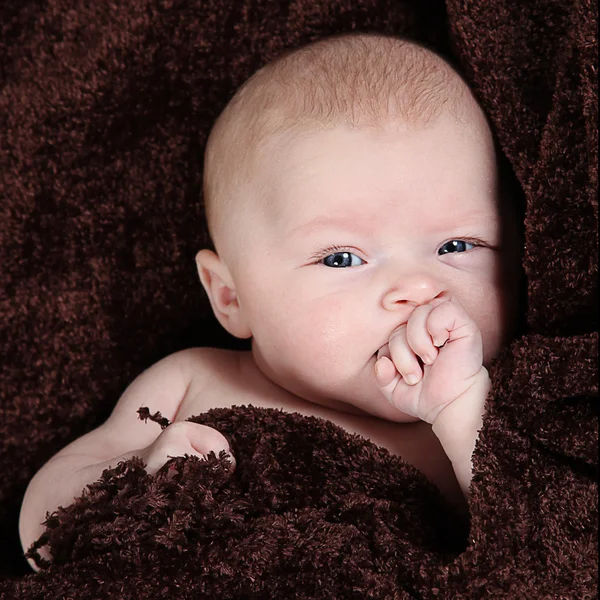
<point>465,410</point>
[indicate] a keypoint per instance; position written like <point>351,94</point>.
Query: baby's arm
<point>450,388</point>
<point>162,387</point>
<point>457,427</point>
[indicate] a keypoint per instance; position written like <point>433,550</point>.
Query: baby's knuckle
<point>207,433</point>
<point>398,334</point>
<point>446,313</point>
<point>217,438</point>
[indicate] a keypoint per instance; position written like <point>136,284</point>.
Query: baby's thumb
<point>205,439</point>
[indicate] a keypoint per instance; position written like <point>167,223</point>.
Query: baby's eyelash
<point>470,240</point>
<point>321,254</point>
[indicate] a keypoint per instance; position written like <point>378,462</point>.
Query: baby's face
<point>356,229</point>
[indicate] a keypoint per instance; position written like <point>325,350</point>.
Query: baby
<point>364,244</point>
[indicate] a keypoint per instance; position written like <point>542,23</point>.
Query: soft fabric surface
<point>104,111</point>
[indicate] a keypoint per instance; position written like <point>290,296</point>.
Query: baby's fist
<point>449,345</point>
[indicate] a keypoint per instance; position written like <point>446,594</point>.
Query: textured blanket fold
<point>310,511</point>
<point>104,112</point>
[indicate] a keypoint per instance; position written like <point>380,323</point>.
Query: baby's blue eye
<point>456,246</point>
<point>341,260</point>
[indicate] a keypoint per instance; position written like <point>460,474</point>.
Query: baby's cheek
<point>492,325</point>
<point>493,339</point>
<point>324,338</point>
<point>337,342</point>
<point>300,333</point>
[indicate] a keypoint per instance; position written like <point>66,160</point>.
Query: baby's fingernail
<point>411,379</point>
<point>428,359</point>
<point>384,372</point>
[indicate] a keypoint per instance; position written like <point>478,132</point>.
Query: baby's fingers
<point>418,336</point>
<point>448,322</point>
<point>205,439</point>
<point>403,357</point>
<point>181,438</point>
<point>392,386</point>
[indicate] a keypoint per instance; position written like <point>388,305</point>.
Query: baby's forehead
<point>356,80</point>
<point>355,172</point>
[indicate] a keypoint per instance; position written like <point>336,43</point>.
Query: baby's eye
<point>456,246</point>
<point>340,260</point>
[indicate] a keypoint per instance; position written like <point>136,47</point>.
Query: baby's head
<point>345,184</point>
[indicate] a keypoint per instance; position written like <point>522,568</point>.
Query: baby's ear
<point>219,286</point>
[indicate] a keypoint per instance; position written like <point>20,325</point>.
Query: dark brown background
<point>104,112</point>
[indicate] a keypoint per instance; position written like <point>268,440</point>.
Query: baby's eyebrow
<point>354,224</point>
<point>365,224</point>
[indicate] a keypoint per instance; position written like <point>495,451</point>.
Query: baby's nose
<point>413,290</point>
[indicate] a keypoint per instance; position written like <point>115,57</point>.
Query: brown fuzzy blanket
<point>104,111</point>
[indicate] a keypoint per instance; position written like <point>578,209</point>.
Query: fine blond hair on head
<point>357,80</point>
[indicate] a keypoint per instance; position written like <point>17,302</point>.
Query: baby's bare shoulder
<point>207,369</point>
<point>166,384</point>
<point>206,362</point>
<point>212,375</point>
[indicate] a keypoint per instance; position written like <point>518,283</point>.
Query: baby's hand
<point>448,342</point>
<point>183,437</point>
